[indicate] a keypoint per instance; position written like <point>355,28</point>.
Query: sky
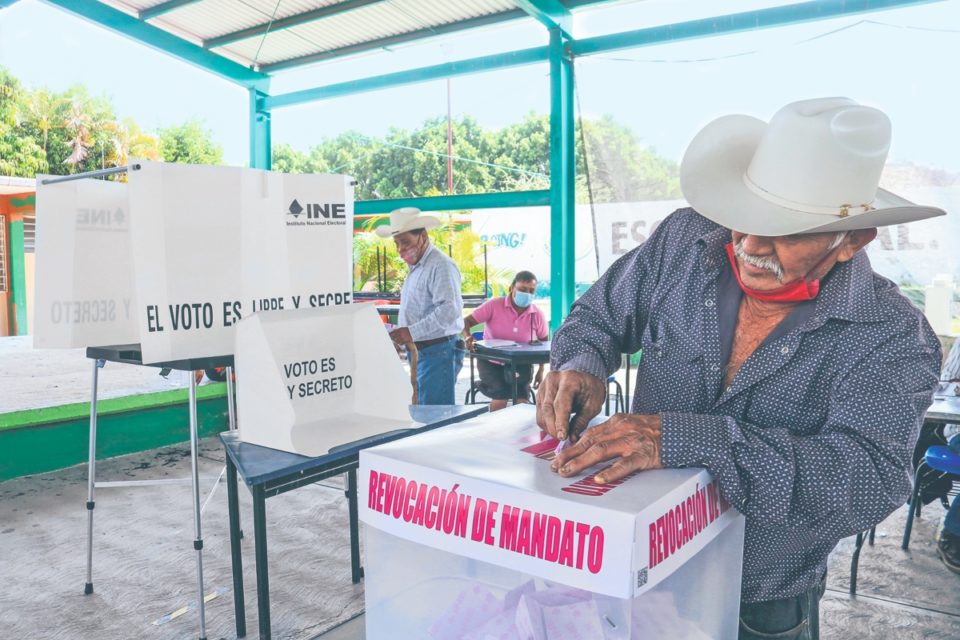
<point>902,61</point>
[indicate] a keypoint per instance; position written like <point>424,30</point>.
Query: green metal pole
<point>562,180</point>
<point>260,148</point>
<point>18,278</point>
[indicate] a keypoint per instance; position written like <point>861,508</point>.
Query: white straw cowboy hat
<point>406,219</point>
<point>815,167</point>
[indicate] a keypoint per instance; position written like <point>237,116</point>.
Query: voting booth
<point>469,535</point>
<point>176,256</point>
<point>161,269</point>
<point>84,274</point>
<point>317,378</point>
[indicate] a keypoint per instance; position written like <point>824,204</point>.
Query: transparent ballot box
<point>470,536</point>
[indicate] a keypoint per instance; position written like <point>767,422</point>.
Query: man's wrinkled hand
<point>563,394</point>
<point>634,441</point>
<point>401,335</point>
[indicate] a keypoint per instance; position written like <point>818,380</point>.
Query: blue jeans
<point>795,618</point>
<point>437,371</point>
<point>951,522</point>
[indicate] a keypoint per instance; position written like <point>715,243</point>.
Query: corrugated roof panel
<point>281,45</point>
<point>212,17</point>
<point>205,19</point>
<point>366,24</point>
<point>289,7</point>
<point>444,12</point>
<point>360,25</point>
<point>130,7</point>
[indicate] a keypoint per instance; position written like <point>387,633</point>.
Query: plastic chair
<point>862,537</point>
<point>471,395</point>
<point>619,403</point>
<point>938,462</point>
<point>942,461</point>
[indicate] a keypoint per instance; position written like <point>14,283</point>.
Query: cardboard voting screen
<point>84,276</point>
<point>212,245</point>
<point>312,379</point>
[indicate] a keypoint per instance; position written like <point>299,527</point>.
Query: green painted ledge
<point>40,440</point>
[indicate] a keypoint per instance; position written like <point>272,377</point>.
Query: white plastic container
<point>519,552</point>
<point>938,299</point>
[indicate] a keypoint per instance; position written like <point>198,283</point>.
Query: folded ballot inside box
<point>469,534</point>
<point>312,379</point>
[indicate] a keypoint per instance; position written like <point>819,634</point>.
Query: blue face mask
<point>522,299</point>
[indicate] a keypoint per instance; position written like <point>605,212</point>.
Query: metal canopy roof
<point>270,35</point>
<point>245,41</point>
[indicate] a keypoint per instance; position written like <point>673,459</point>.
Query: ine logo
<point>295,209</point>
<point>317,214</point>
<point>102,219</point>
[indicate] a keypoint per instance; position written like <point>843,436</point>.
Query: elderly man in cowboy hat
<point>431,305</point>
<point>773,355</point>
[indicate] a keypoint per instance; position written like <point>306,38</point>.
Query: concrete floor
<point>36,378</point>
<point>144,564</point>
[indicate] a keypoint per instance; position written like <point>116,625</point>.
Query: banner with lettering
<point>483,489</point>
<point>312,379</point>
<point>214,244</point>
<point>84,275</point>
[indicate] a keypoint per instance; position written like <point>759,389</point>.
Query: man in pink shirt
<point>513,317</point>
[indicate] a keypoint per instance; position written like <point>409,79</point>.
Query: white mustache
<point>768,264</point>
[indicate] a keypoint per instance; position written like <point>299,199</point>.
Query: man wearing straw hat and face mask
<point>772,354</point>
<point>431,305</point>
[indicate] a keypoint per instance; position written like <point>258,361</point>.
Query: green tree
<point>20,154</point>
<point>621,168</point>
<point>44,111</point>
<point>521,153</point>
<point>411,163</point>
<point>127,141</point>
<point>286,159</point>
<point>189,143</point>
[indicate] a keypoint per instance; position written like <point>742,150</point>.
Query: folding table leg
<point>260,555</point>
<point>92,475</point>
<point>356,571</point>
<point>195,477</point>
<point>231,406</point>
<point>236,557</point>
<point>232,415</point>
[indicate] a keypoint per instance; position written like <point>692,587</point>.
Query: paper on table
<point>947,389</point>
<point>494,343</point>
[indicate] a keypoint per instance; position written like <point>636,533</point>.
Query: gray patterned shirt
<point>431,305</point>
<point>812,440</point>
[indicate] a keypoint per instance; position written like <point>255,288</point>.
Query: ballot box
<point>470,536</point>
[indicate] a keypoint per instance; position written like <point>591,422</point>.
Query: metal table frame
<point>269,472</point>
<point>513,356</point>
<point>132,354</point>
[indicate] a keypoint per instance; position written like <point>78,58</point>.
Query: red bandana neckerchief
<point>798,291</point>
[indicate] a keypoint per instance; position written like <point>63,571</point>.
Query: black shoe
<point>948,548</point>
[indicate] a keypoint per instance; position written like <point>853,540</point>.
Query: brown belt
<point>426,343</point>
